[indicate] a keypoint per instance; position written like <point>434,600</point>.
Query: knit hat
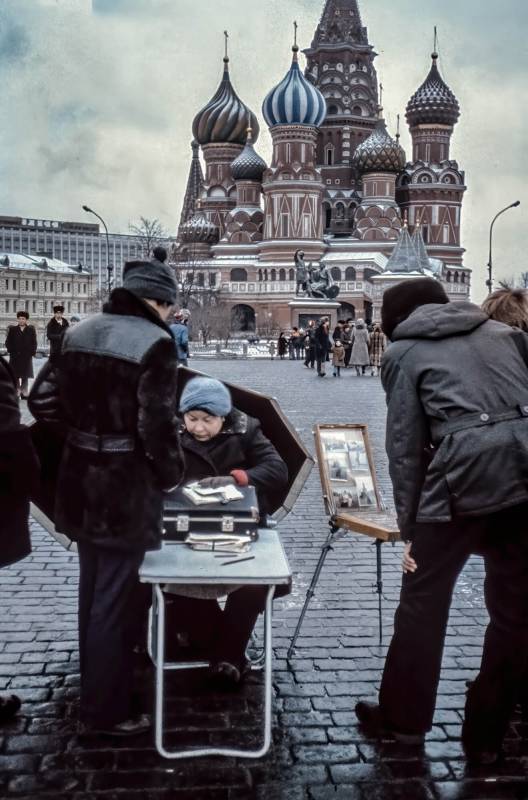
<point>151,279</point>
<point>206,394</point>
<point>401,300</point>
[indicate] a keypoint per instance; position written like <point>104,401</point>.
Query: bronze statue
<point>314,282</point>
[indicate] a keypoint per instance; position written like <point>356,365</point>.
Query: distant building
<point>339,186</point>
<point>70,242</point>
<point>35,285</point>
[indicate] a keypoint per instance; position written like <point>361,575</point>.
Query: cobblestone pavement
<point>318,753</point>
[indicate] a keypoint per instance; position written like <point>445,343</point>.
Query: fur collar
<point>126,303</point>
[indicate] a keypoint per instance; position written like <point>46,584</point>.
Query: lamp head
<point>517,203</point>
<point>86,208</point>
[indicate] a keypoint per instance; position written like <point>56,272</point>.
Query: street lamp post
<point>489,282</point>
<point>109,266</point>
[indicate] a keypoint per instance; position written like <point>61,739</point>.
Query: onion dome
<point>295,101</point>
<point>199,229</point>
<point>433,102</point>
<point>379,153</point>
<point>224,119</point>
<point>248,166</point>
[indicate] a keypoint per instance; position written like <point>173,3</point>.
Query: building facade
<point>72,243</point>
<point>35,285</point>
<point>339,187</point>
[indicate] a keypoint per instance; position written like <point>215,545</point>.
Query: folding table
<point>176,563</point>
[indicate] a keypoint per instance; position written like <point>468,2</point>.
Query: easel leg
<point>379,586</point>
<point>311,589</point>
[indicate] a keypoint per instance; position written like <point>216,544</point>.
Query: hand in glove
<point>217,482</point>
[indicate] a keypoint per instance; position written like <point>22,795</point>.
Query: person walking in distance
<point>282,345</point>
<point>457,441</point>
<point>322,345</point>
<point>376,348</point>
<point>360,357</point>
<point>21,346</point>
<point>309,345</point>
<point>113,391</point>
<point>55,330</point>
<point>338,357</point>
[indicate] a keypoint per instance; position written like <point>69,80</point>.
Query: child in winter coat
<point>338,357</point>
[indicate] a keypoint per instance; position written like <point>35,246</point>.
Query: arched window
<point>265,274</point>
<point>200,279</point>
<point>455,278</point>
<point>329,155</point>
<point>260,274</point>
<point>350,274</point>
<point>291,275</point>
<point>368,273</point>
<point>333,109</point>
<point>273,274</point>
<point>336,273</point>
<point>448,278</point>
<point>282,274</point>
<point>238,274</point>
<point>339,211</point>
<point>357,111</point>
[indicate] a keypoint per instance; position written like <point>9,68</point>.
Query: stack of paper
<point>219,542</point>
<point>201,496</point>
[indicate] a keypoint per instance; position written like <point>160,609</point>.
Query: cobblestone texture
<point>317,753</point>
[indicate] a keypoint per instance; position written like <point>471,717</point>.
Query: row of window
<point>240,274</point>
<point>70,307</point>
<point>46,286</point>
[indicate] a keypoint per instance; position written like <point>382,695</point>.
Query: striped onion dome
<point>199,229</point>
<point>224,119</point>
<point>248,166</point>
<point>379,153</point>
<point>433,102</point>
<point>295,101</point>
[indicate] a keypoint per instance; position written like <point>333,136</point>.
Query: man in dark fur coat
<point>114,391</point>
<point>19,471</point>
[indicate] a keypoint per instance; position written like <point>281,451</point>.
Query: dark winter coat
<point>360,346</point>
<point>21,345</point>
<point>323,344</point>
<point>239,445</point>
<point>282,345</point>
<point>117,376</point>
<point>180,333</point>
<point>19,470</point>
<point>457,425</point>
<point>55,334</point>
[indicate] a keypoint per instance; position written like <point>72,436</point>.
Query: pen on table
<point>237,560</point>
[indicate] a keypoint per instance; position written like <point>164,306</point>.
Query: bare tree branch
<point>150,233</point>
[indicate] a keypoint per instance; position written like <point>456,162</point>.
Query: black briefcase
<point>236,518</point>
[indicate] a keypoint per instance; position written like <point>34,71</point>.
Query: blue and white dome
<point>295,101</point>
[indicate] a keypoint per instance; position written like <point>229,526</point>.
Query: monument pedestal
<point>303,309</point>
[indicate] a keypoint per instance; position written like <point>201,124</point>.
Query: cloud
<point>99,97</point>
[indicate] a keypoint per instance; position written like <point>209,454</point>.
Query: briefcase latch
<point>228,524</point>
<point>182,523</point>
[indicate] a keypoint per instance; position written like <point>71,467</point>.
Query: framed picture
<point>346,468</point>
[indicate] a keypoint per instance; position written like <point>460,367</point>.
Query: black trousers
<point>224,634</point>
<point>110,613</point>
<point>412,669</point>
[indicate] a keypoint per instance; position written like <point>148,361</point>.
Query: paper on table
<point>204,496</point>
<point>218,541</point>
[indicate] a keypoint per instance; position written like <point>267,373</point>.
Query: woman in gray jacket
<point>360,338</point>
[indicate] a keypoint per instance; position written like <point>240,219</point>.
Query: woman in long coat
<point>360,347</point>
<point>282,345</point>
<point>21,345</point>
<point>377,346</point>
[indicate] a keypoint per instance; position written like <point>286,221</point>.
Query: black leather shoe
<point>226,676</point>
<point>374,725</point>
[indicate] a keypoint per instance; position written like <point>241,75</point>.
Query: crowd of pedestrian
<point>352,344</point>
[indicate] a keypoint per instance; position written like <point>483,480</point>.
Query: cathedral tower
<point>340,62</point>
<point>292,185</point>
<point>432,187</point>
<point>220,128</point>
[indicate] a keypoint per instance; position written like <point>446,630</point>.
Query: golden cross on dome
<point>295,26</point>
<point>435,45</point>
<point>226,57</point>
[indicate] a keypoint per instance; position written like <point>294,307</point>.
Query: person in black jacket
<point>113,390</point>
<point>19,470</point>
<point>323,345</point>
<point>21,345</point>
<point>309,345</point>
<point>55,330</point>
<point>457,442</point>
<point>222,445</point>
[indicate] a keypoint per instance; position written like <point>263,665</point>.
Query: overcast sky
<point>98,98</point>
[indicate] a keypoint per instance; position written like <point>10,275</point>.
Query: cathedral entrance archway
<point>347,311</point>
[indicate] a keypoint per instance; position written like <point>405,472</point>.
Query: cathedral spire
<point>194,185</point>
<point>340,23</point>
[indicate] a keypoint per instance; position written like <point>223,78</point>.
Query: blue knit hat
<point>206,394</point>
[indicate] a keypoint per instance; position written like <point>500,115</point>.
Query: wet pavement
<point>317,752</point>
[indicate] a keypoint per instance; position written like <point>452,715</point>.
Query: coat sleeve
<point>157,421</point>
<point>44,398</point>
<point>33,341</point>
<point>19,467</point>
<point>264,466</point>
<point>9,338</point>
<point>407,442</point>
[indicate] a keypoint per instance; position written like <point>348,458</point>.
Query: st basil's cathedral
<point>339,186</point>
